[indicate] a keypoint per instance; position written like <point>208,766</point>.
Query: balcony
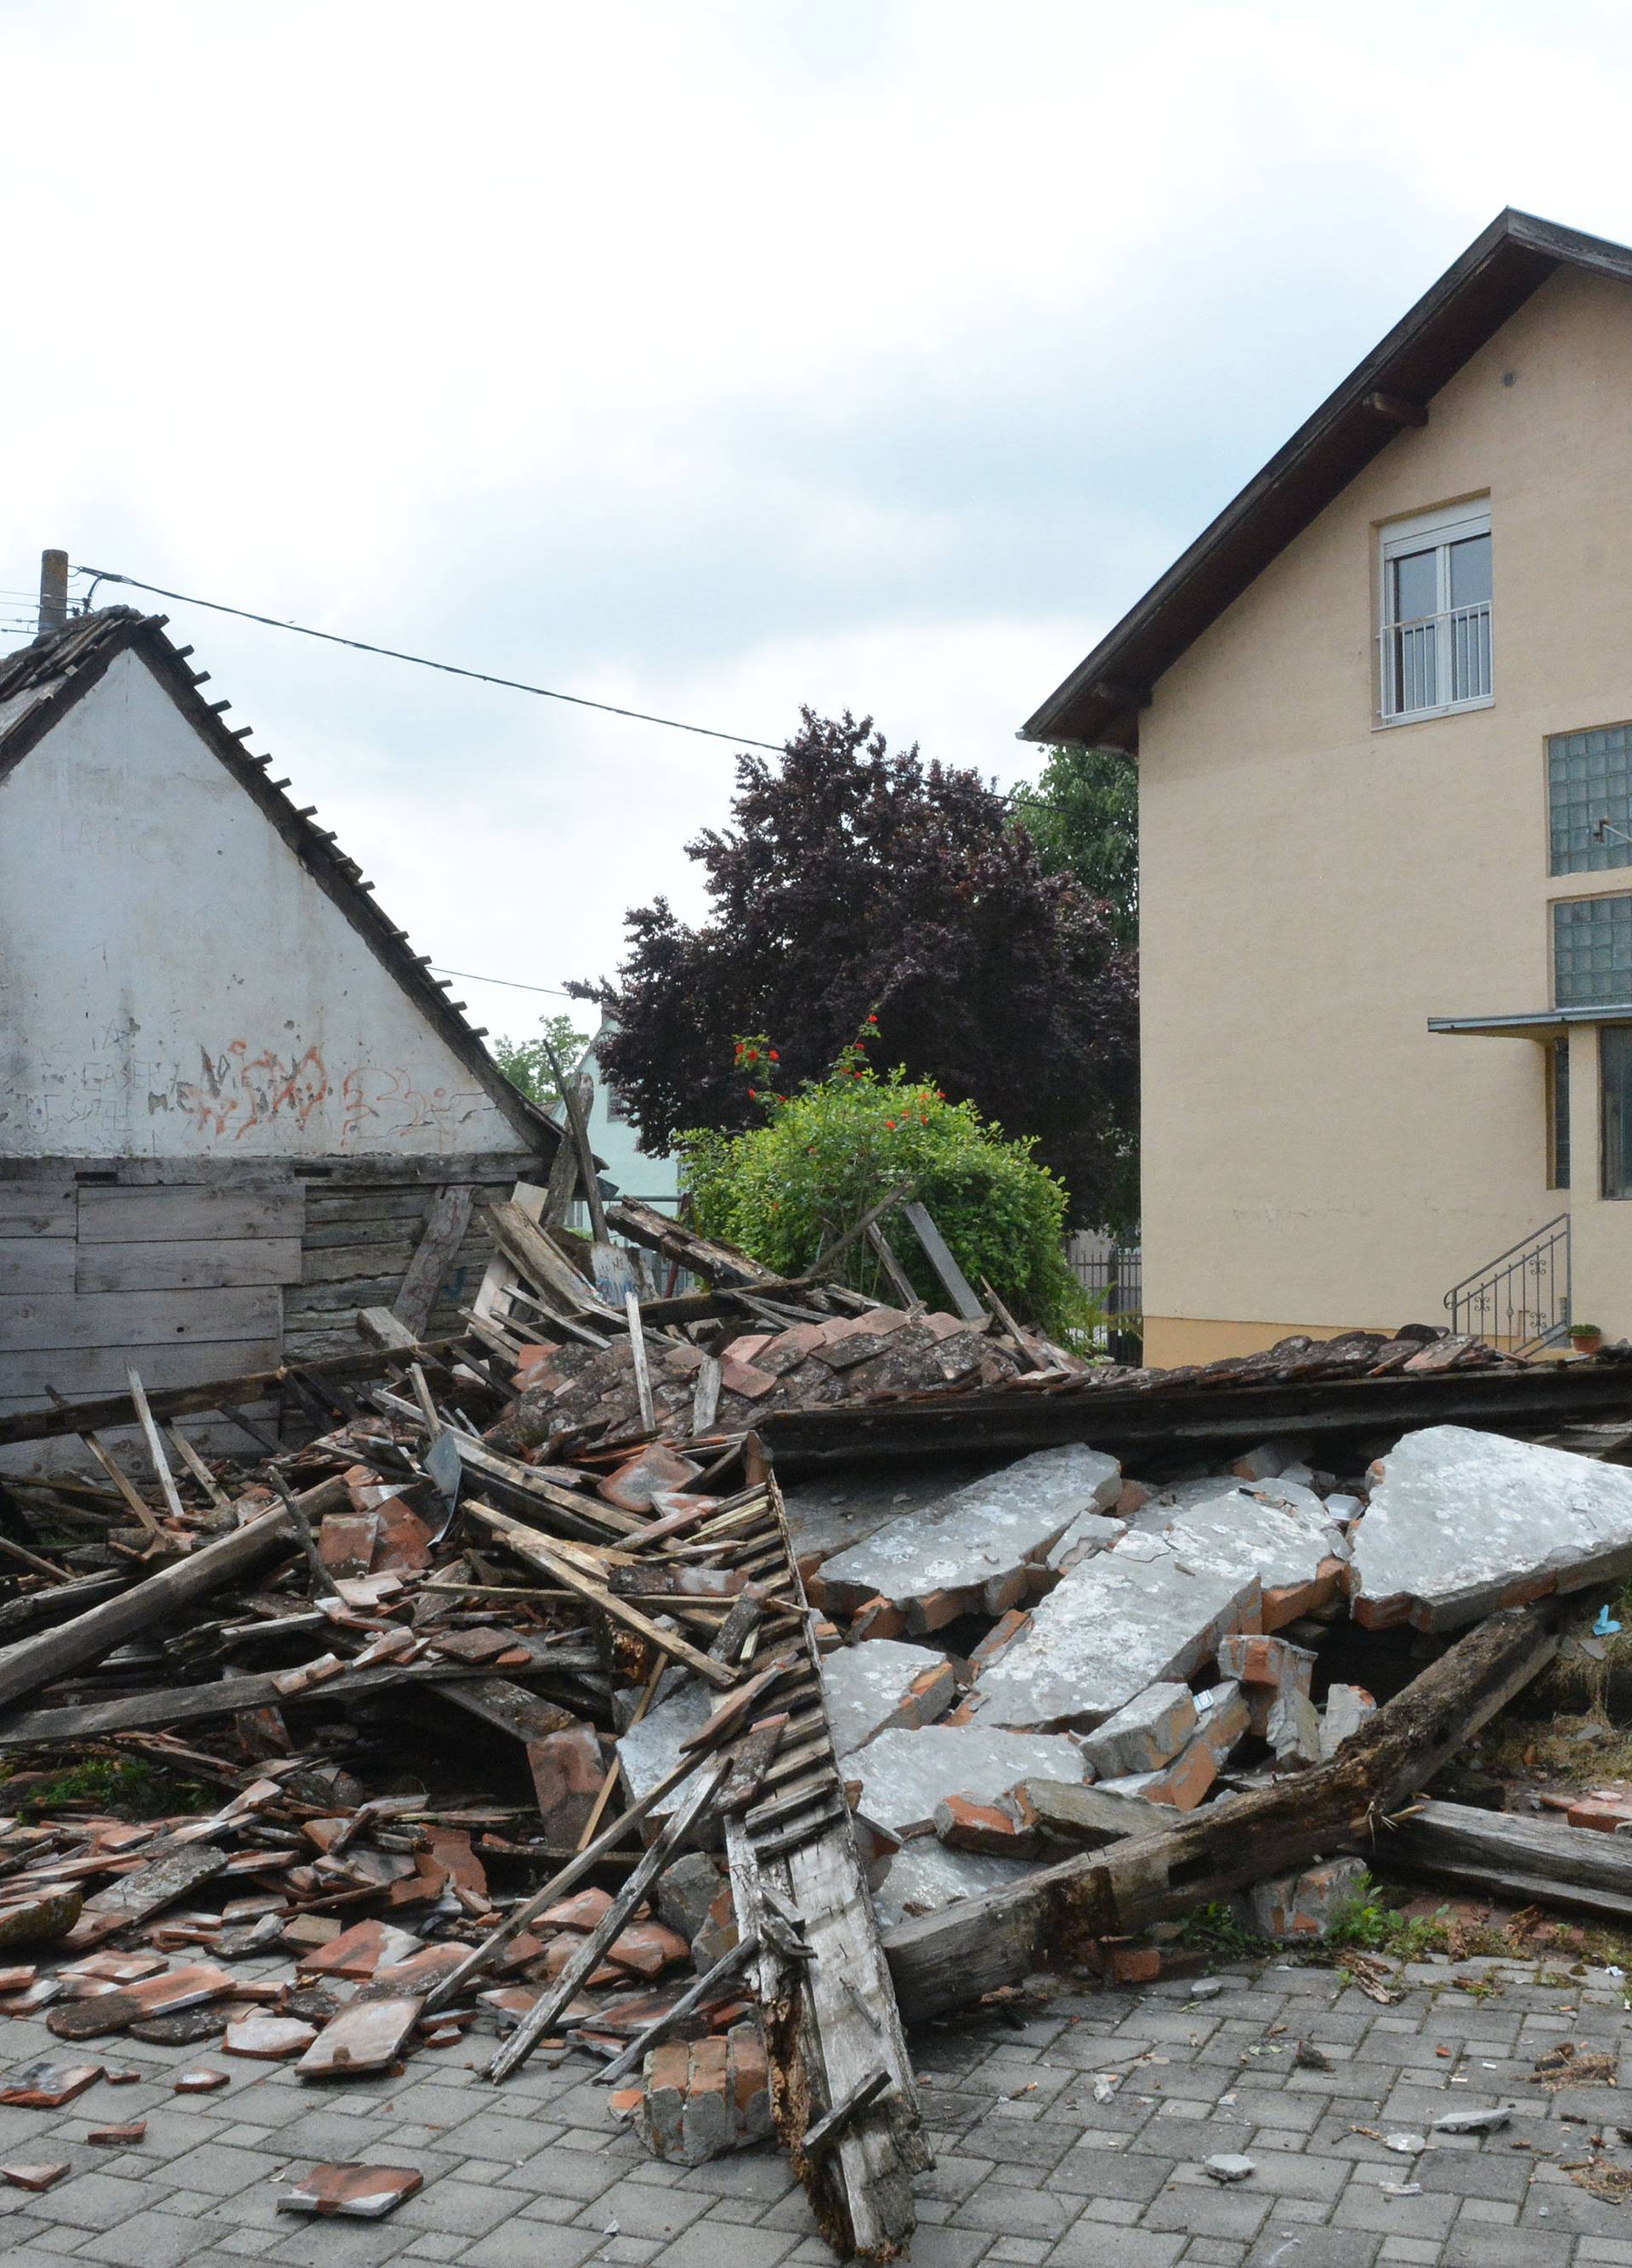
<point>1435,664</point>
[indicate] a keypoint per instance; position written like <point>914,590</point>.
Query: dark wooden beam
<point>1397,409</point>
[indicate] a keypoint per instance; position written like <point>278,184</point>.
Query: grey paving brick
<point>1208,2211</point>
<point>147,2240</point>
<point>1005,2210</point>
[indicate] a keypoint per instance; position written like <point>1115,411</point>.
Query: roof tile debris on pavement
<point>523,1621</point>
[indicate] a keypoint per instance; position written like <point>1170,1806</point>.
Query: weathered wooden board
<point>225,1264</point>
<point>38,1208</point>
<point>358,1262</point>
<point>138,1319</point>
<point>433,1255</point>
<point>1505,1855</point>
<point>186,1212</point>
<point>78,1371</point>
<point>35,1263</point>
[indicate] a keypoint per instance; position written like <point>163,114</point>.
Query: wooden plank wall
<point>193,1271</point>
<point>360,1236</point>
<point>183,1279</point>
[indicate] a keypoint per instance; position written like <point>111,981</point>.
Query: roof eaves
<point>1099,701</point>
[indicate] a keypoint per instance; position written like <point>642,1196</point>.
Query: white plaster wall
<point>172,984</point>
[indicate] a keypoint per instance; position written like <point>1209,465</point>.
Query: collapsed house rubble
<point>574,1691</point>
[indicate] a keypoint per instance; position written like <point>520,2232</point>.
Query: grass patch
<point>120,1788</point>
<point>1213,1929</point>
<point>1366,1921</point>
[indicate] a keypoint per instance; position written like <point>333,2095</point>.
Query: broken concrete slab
<point>927,1877</point>
<point>1347,1709</point>
<point>905,1774</point>
<point>883,1682</point>
<point>1296,1552</point>
<point>1146,1735</point>
<point>1087,1816</point>
<point>1267,1668</point>
<point>1143,1614</point>
<point>1460,1523</point>
<point>976,1549</point>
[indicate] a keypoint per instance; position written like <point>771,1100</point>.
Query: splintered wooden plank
<point>939,1254</point>
<point>435,1255</point>
<point>843,2023</point>
<point>589,1954</point>
<point>527,1544</point>
<point>184,1211</point>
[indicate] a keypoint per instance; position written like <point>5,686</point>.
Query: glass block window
<point>1589,778</point>
<point>1591,952</point>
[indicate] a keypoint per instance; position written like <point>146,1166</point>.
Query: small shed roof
<point>39,683</point>
<point>1099,703</point>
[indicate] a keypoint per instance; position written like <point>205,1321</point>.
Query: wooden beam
<point>1502,1854</point>
<point>35,1661</point>
<point>1397,409</point>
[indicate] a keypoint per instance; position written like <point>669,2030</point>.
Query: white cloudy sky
<point>705,356</point>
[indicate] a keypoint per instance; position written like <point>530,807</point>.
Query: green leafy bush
<point>827,1152</point>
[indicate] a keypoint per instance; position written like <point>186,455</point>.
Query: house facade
<point>650,1177</point>
<point>1383,712</point>
<point>235,1108</point>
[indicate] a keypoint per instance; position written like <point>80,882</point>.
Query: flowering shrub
<point>833,1147</point>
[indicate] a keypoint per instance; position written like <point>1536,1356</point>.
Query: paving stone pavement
<point>1068,2136</point>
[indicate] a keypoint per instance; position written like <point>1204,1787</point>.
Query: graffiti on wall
<point>238,1094</point>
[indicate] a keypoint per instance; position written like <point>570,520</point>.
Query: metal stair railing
<point>1521,1299</point>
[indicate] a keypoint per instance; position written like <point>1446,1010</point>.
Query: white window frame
<point>1436,531</point>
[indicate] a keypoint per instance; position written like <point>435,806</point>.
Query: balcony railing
<point>1438,661</point>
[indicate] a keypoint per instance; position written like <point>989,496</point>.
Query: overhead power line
<point>423,661</point>
<point>469,977</point>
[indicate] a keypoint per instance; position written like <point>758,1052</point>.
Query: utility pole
<point>53,591</point>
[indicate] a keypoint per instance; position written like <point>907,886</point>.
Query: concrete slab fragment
<point>1460,1523</point>
<point>927,1877</point>
<point>1286,1538</point>
<point>873,1686</point>
<point>1144,1614</point>
<point>906,1774</point>
<point>974,1549</point>
<point>1146,1735</point>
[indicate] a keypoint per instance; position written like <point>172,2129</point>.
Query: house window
<point>616,1115</point>
<point>1591,952</point>
<point>1558,1114</point>
<point>1436,615</point>
<point>1614,1073</point>
<point>1589,781</point>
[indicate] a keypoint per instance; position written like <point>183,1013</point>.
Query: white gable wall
<point>174,983</point>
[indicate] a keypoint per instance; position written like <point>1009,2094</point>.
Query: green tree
<point>1082,813</point>
<point>835,1146</point>
<point>525,1063</point>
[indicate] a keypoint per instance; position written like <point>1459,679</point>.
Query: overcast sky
<point>707,358</point>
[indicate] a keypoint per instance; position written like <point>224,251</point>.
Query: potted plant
<point>1586,1338</point>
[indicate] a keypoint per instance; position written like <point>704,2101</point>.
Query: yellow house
<point>1383,712</point>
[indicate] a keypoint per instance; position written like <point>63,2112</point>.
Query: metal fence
<point>1113,1274</point>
